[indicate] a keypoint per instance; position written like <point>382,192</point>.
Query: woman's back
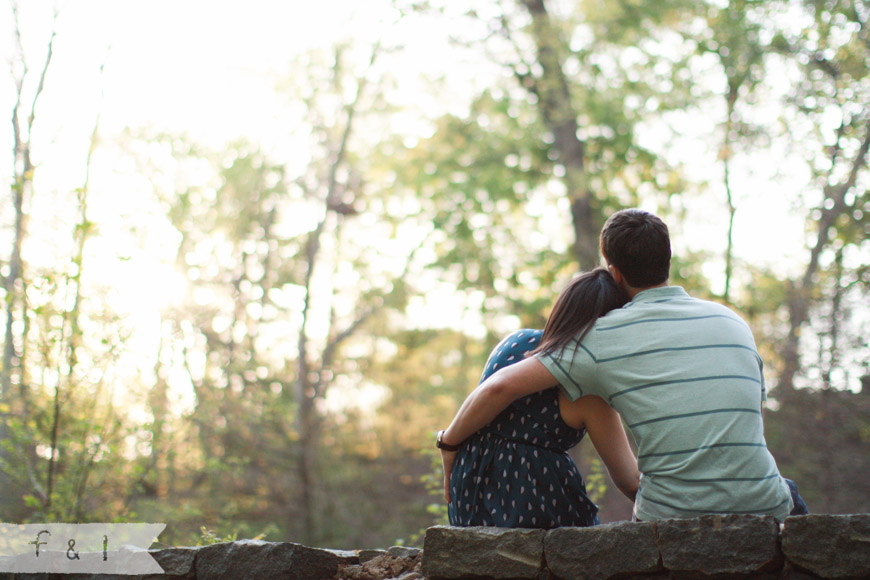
<point>515,472</point>
<point>536,420</point>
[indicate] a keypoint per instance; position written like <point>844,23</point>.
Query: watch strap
<point>440,444</point>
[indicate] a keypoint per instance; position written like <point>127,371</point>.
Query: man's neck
<point>632,292</point>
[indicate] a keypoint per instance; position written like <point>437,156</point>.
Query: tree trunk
<point>800,291</point>
<point>21,188</point>
<point>730,102</point>
<point>560,117</point>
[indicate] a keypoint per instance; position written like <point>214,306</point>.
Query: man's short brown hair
<point>638,244</point>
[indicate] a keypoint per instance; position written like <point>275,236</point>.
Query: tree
<point>832,120</point>
<point>60,430</point>
<point>824,334</point>
<point>23,120</point>
<point>733,37</point>
<point>590,75</point>
<point>289,263</point>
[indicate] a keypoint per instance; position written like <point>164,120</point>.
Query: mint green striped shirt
<point>687,379</point>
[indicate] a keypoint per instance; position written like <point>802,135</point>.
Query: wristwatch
<point>440,444</point>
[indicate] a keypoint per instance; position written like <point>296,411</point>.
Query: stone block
<point>602,552</point>
<point>731,546</point>
<point>789,572</point>
<point>246,559</point>
<point>177,563</point>
<point>829,546</point>
<point>482,552</point>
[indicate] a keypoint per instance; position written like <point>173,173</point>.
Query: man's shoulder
<point>707,303</point>
<point>714,308</point>
<point>674,306</point>
<point>682,300</point>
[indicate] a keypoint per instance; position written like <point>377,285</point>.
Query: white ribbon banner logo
<point>79,548</point>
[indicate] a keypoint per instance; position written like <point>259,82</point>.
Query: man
<point>684,374</point>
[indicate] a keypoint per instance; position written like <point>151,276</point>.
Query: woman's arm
<point>605,429</point>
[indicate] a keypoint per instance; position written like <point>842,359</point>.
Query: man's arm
<point>494,395</point>
<point>489,399</point>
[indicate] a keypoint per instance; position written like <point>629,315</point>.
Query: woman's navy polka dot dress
<point>516,472</point>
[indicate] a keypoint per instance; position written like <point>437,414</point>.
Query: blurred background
<point>253,255</point>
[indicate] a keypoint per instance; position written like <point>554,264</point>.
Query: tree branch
<point>351,111</point>
<point>838,195</point>
<point>41,86</point>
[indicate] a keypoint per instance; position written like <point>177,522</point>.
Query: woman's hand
<point>447,460</point>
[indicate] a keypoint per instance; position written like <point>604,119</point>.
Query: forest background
<point>253,255</point>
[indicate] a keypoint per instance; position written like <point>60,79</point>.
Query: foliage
<point>341,300</point>
<point>210,537</point>
<point>433,482</point>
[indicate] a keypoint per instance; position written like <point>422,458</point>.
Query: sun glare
<point>150,287</point>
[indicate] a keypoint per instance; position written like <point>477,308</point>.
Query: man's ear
<point>617,275</point>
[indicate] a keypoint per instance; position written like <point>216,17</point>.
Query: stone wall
<point>711,547</point>
<point>707,548</point>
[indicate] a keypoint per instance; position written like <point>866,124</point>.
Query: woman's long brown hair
<point>583,301</point>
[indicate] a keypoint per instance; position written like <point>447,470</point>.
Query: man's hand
<point>448,458</point>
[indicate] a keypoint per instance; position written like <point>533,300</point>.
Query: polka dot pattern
<point>516,472</point>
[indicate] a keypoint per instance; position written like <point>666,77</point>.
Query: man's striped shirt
<point>687,379</point>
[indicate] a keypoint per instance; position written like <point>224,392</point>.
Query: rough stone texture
<point>602,552</point>
<point>265,560</point>
<point>829,546</point>
<point>404,551</point>
<point>813,547</point>
<point>789,572</point>
<point>480,552</point>
<point>177,563</point>
<point>732,546</point>
<point>383,567</point>
<point>366,555</point>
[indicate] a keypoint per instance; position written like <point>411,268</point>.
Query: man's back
<point>686,378</point>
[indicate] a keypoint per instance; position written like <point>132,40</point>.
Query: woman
<point>516,471</point>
